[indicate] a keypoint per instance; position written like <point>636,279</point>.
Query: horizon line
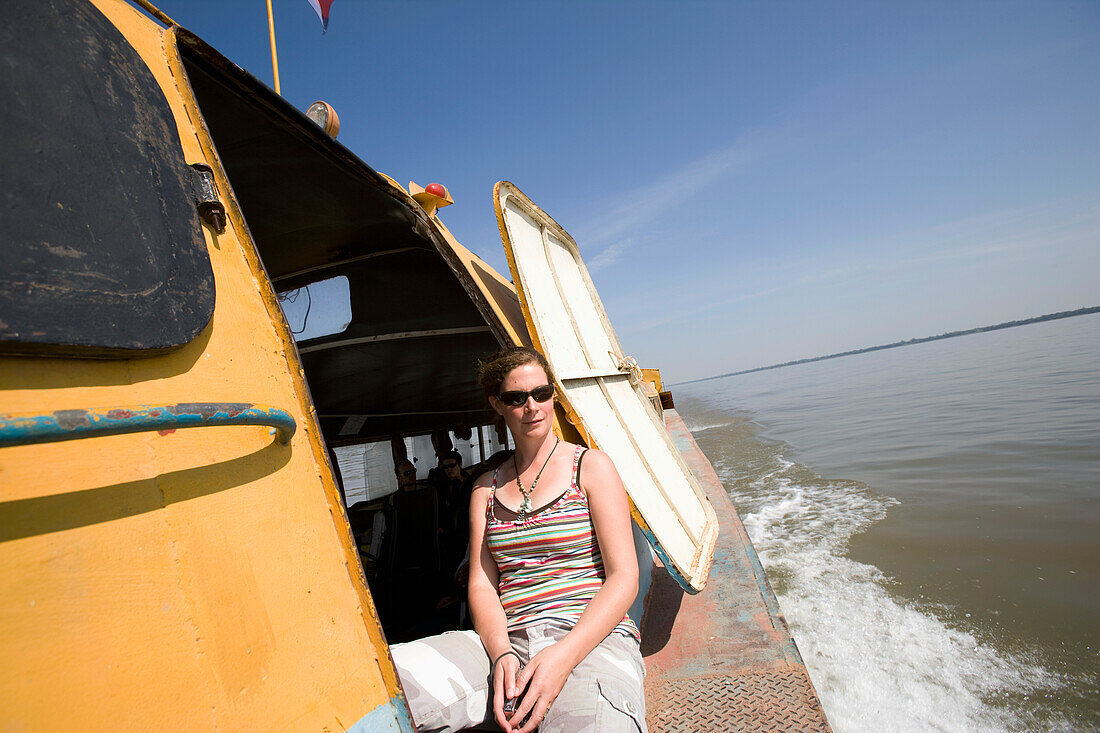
<point>910,342</point>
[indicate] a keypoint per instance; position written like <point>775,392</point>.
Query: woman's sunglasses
<point>517,397</point>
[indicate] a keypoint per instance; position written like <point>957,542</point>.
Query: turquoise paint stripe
<point>770,601</point>
<point>389,716</point>
<point>667,561</point>
<point>73,424</point>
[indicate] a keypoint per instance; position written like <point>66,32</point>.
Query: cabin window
<point>367,471</point>
<point>367,468</point>
<point>319,309</point>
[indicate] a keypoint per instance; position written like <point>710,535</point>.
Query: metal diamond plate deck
<point>772,701</point>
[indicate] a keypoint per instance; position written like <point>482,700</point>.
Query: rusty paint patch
<point>210,409</point>
<point>72,419</point>
<point>166,432</point>
<point>120,414</point>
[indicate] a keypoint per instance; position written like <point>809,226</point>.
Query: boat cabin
<point>388,322</point>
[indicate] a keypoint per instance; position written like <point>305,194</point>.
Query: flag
<point>322,7</point>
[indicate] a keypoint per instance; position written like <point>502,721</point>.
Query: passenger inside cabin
<point>415,568</point>
<point>453,489</point>
<point>451,463</point>
<point>452,485</point>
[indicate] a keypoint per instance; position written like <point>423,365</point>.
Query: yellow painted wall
<point>201,579</point>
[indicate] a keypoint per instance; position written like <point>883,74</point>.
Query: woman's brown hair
<point>492,371</point>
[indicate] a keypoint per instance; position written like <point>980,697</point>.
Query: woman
<point>552,573</point>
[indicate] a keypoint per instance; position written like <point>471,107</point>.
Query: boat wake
<point>699,428</point>
<point>878,661</point>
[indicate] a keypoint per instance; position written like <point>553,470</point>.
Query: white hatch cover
<point>600,387</point>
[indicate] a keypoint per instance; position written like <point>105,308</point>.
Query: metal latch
<point>210,207</point>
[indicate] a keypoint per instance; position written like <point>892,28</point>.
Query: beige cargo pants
<point>446,681</point>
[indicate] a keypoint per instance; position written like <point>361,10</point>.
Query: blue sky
<point>749,183</point>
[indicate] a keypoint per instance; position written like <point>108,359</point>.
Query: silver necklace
<point>525,506</point>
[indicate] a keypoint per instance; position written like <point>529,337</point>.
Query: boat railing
<point>61,425</point>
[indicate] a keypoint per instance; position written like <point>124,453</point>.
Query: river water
<point>929,517</point>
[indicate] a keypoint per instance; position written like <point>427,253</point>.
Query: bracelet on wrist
<point>502,656</point>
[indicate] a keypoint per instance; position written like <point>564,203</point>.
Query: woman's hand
<point>505,672</point>
<point>547,672</point>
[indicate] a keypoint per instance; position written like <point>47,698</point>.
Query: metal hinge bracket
<point>210,207</point>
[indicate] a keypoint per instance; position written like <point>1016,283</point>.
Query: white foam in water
<point>707,426</point>
<point>877,663</point>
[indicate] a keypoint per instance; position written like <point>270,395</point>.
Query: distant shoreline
<point>896,344</point>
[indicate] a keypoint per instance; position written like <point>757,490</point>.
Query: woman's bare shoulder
<point>598,471</point>
<point>479,493</point>
<point>596,459</point>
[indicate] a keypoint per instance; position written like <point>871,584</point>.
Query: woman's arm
<point>490,620</point>
<point>610,510</point>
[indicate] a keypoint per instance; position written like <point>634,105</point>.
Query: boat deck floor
<point>723,659</point>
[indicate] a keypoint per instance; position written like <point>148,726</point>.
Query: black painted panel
<point>102,250</point>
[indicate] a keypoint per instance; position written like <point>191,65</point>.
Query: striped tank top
<point>549,564</point>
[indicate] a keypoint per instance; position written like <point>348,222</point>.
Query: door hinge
<point>211,209</point>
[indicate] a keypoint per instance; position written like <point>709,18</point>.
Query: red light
<point>436,189</point>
